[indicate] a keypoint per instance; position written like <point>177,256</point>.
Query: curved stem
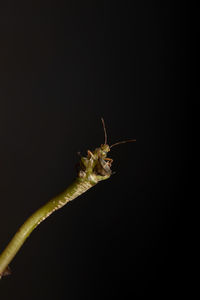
<point>93,169</point>
<point>79,186</point>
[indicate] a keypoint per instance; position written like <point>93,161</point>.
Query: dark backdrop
<point>63,65</point>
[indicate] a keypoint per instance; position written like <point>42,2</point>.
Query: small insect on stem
<point>103,163</point>
<point>93,168</point>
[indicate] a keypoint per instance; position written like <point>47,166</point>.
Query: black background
<point>63,65</point>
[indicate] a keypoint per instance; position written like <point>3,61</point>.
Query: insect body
<point>96,166</point>
<point>97,160</point>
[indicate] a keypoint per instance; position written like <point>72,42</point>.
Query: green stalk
<point>93,169</point>
<point>78,187</point>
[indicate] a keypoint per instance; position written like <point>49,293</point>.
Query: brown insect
<point>103,163</point>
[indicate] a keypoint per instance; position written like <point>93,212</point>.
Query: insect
<point>98,158</point>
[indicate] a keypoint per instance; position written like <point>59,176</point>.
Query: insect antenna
<point>105,133</point>
<point>122,142</point>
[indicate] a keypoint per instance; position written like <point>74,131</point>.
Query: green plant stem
<point>93,168</point>
<point>79,186</point>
